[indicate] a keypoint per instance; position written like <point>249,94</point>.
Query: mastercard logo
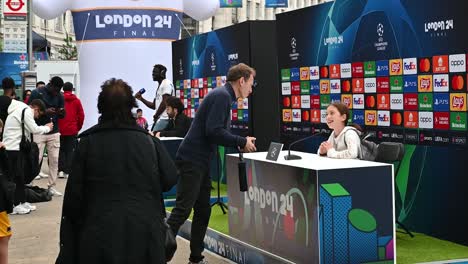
<point>370,101</point>
<point>424,65</point>
<point>346,86</point>
<point>457,82</point>
<point>397,119</point>
<point>324,72</point>
<point>305,115</point>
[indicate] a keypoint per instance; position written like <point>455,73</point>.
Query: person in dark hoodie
<point>112,210</point>
<point>179,123</point>
<point>69,127</point>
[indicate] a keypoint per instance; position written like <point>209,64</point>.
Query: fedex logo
<point>335,86</point>
<point>410,84</point>
<point>358,101</point>
<point>441,82</point>
<point>358,117</point>
<point>409,66</point>
<point>383,118</point>
<point>314,73</point>
<point>395,67</point>
<point>458,102</point>
<point>441,102</point>
<point>296,115</point>
<point>382,68</point>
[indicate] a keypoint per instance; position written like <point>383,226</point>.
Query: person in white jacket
<point>12,138</point>
<point>123,38</point>
<point>344,141</point>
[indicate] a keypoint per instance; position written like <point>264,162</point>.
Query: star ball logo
<point>380,30</point>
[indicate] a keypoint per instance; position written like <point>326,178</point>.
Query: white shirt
<point>166,87</point>
<point>346,145</point>
<point>12,130</point>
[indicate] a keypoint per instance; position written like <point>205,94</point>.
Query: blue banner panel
<point>12,64</point>
<point>276,3</point>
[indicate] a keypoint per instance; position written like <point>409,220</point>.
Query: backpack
<point>368,148</point>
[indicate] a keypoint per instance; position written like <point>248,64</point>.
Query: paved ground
<point>35,237</point>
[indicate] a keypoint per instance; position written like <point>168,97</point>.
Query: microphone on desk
<point>297,157</point>
<point>242,173</point>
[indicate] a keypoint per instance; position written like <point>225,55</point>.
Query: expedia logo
<point>395,67</point>
<point>458,102</point>
<point>425,83</point>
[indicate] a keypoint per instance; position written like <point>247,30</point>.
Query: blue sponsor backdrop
<point>372,30</point>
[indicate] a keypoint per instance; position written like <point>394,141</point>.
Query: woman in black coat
<point>112,209</point>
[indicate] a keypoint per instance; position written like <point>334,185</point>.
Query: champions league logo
<point>380,45</point>
<point>213,61</point>
<point>293,55</point>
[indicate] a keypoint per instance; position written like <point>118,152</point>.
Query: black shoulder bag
<point>29,152</point>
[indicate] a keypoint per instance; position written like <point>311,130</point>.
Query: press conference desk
<point>314,210</point>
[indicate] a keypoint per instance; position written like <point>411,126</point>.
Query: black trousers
<point>16,174</point>
<point>193,191</point>
<point>67,148</point>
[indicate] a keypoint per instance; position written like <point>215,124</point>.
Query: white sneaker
<point>38,177</point>
<point>29,206</point>
<point>63,175</point>
<point>20,209</point>
<point>43,175</point>
<point>54,192</point>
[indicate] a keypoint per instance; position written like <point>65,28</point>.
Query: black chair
<point>392,152</point>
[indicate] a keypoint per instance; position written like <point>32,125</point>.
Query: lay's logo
<point>370,118</point>
<point>425,83</point>
<point>396,67</point>
<point>458,102</point>
<point>324,86</point>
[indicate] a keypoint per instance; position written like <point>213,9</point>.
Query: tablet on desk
<point>274,151</point>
